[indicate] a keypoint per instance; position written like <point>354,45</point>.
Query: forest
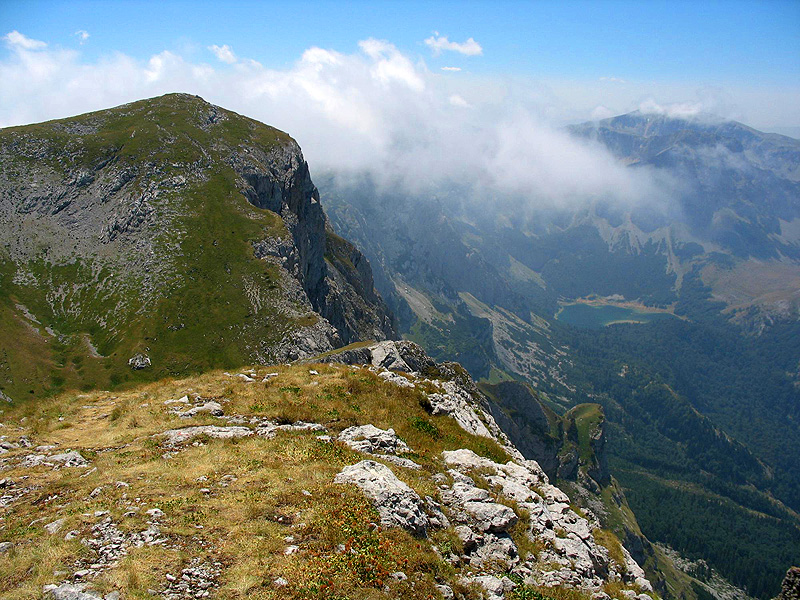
<point>703,433</point>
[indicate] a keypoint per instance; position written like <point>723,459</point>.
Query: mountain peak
<point>141,208</point>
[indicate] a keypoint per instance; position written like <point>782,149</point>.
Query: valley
<point>696,375</point>
<point>651,378</point>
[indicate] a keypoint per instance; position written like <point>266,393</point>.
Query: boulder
<point>67,591</point>
<point>496,588</point>
<point>54,527</point>
<point>139,361</point>
<point>386,355</point>
<point>491,516</point>
<point>372,440</point>
<point>176,437</point>
<point>68,459</point>
<point>397,504</point>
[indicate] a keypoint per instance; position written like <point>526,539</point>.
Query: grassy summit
<point>129,230</point>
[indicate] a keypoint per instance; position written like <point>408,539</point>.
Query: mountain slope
<point>317,480</point>
<point>705,402</point>
<point>172,230</point>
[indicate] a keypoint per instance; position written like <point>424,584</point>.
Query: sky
<point>429,87</point>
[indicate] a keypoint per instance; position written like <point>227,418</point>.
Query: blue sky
<point>419,91</point>
<point>708,42</point>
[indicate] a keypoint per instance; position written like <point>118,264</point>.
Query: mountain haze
<point>701,403</point>
<point>642,357</point>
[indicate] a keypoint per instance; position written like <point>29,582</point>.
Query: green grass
<point>587,419</point>
<point>202,315</point>
<point>242,524</point>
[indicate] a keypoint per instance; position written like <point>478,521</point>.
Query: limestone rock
<point>67,591</point>
<point>496,588</point>
<point>406,463</point>
<point>491,516</point>
<point>268,429</point>
<point>396,379</point>
<point>397,504</point>
<point>211,408</point>
<point>790,588</point>
<point>176,437</point>
<point>139,361</point>
<point>387,356</point>
<point>457,403</point>
<point>55,526</point>
<point>372,440</point>
<point>446,591</point>
<point>68,459</point>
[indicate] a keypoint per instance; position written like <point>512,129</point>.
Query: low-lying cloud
<point>376,111</point>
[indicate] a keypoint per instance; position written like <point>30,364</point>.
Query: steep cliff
<point>170,233</point>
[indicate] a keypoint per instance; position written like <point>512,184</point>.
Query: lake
<point>589,316</point>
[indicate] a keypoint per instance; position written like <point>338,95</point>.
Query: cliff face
<point>171,232</point>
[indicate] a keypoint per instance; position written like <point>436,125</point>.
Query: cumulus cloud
<point>372,111</point>
<point>82,36</point>
<point>454,69</point>
<point>439,44</point>
<point>17,41</point>
<point>223,53</point>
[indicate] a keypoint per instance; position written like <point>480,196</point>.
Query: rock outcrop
<point>397,504</point>
<point>485,499</point>
<point>790,588</point>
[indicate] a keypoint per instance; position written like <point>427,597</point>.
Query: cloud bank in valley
<point>376,110</point>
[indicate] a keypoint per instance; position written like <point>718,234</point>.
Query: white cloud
<point>374,110</point>
<point>223,53</point>
<point>601,112</point>
<point>390,65</point>
<point>613,79</point>
<point>82,35</point>
<point>678,109</point>
<point>18,41</point>
<point>454,69</point>
<point>438,44</point>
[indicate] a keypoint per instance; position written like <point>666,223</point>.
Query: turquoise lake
<point>596,317</point>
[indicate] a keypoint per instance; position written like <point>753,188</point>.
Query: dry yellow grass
<point>232,502</point>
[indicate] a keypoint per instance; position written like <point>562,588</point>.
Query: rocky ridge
<point>571,554</point>
<point>490,519</point>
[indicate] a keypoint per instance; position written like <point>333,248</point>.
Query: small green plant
<point>425,426</point>
<point>611,542</point>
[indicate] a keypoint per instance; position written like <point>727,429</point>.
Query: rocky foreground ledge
<point>372,472</point>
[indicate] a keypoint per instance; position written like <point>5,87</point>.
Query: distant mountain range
<point>707,401</point>
<point>170,236</point>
